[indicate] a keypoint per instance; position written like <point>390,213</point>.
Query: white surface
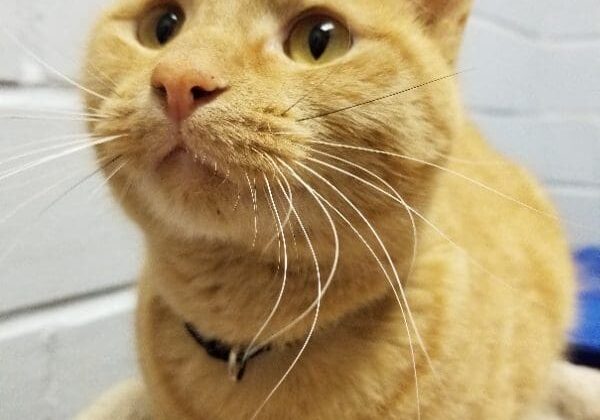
<point>56,361</point>
<point>80,245</point>
<point>65,322</point>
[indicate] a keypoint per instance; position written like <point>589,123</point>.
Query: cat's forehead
<point>251,8</point>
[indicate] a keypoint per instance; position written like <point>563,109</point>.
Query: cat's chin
<point>181,164</point>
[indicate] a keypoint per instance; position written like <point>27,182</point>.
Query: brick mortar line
<point>61,304</point>
<point>534,36</point>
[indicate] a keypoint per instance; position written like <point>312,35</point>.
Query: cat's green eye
<point>318,39</point>
<point>160,25</point>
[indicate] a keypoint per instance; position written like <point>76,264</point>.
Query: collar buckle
<point>237,358</point>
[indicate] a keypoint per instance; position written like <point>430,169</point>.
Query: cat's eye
<point>318,39</point>
<point>160,25</point>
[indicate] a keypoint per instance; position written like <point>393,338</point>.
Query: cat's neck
<point>228,293</point>
<point>362,344</point>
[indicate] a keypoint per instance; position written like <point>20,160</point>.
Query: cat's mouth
<point>191,163</point>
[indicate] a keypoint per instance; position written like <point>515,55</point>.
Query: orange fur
<point>491,307</point>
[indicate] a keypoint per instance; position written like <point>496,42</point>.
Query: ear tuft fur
<point>446,20</point>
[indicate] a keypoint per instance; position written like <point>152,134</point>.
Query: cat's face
<point>221,103</point>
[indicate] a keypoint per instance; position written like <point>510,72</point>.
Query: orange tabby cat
<point>328,236</point>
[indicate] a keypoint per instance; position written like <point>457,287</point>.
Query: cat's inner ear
<point>446,20</point>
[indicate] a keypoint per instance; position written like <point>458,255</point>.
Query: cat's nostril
<point>183,88</point>
<point>199,93</point>
<point>161,91</point>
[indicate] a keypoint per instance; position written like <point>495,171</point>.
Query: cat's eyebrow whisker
<point>262,329</point>
<point>381,98</point>
<point>306,95</point>
<point>47,66</point>
<point>453,173</point>
<point>316,316</point>
<point>391,264</point>
<point>42,161</point>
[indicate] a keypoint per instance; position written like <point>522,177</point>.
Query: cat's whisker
<point>47,159</point>
<point>48,67</point>
<point>40,215</point>
<point>24,117</point>
<point>380,98</point>
<point>453,173</point>
<point>106,84</point>
<point>292,230</point>
<point>409,212</point>
<point>103,78</point>
<point>285,224</point>
<point>309,241</point>
<point>289,211</point>
<point>333,271</point>
<point>5,218</point>
<point>470,162</point>
<point>254,207</point>
<point>126,189</point>
<point>391,264</point>
<point>316,316</point>
<point>108,178</point>
<point>238,198</point>
<point>380,263</point>
<point>43,176</point>
<point>445,236</point>
<point>28,144</point>
<point>290,133</point>
<point>44,150</point>
<point>276,234</point>
<point>394,191</point>
<point>317,86</point>
<point>61,112</point>
<point>288,197</point>
<point>285,272</point>
<point>290,194</point>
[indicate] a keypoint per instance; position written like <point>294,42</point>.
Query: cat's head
<point>224,108</point>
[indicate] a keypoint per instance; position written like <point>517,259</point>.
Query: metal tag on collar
<point>236,365</point>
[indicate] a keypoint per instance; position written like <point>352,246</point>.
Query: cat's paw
<point>574,394</point>
<point>127,401</point>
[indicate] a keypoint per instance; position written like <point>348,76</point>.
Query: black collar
<point>236,358</point>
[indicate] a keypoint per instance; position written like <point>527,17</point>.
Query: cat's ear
<point>446,21</point>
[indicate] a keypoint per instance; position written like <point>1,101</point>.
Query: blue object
<point>585,340</point>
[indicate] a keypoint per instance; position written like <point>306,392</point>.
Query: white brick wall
<point>65,297</point>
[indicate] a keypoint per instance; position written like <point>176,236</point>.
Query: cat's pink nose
<point>184,88</point>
